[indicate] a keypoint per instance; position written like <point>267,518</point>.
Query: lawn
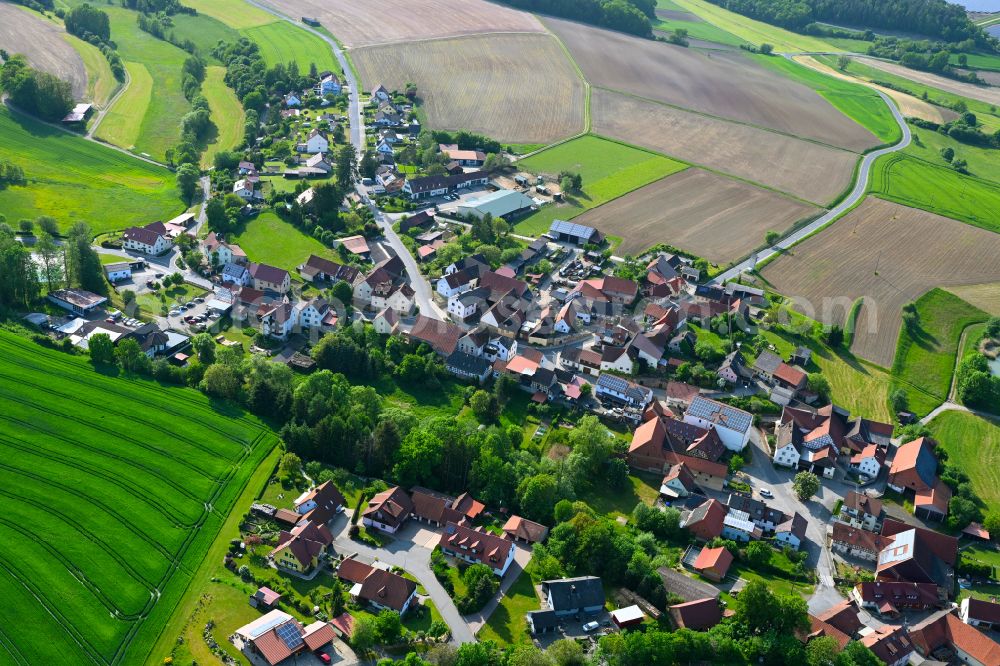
<point>609,170</point>
<point>101,82</point>
<point>615,502</point>
<point>921,184</point>
<point>227,114</point>
<point>269,239</point>
<point>73,179</point>
<point>973,445</point>
<point>160,113</point>
<point>755,32</point>
<point>506,625</point>
<point>925,358</point>
<point>859,103</point>
<point>135,497</point>
<point>282,42</point>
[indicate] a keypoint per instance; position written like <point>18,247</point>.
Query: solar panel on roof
<point>571,228</point>
<point>289,635</point>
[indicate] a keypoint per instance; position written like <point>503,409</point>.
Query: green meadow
<point>71,179</point>
<point>282,42</point>
<point>134,497</point>
<point>270,240</point>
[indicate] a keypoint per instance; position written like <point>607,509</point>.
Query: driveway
<point>407,554</point>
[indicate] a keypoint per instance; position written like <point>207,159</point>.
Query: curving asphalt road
<point>858,193</point>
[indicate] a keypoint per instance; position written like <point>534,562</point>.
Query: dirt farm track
<point>519,88</point>
<point>804,169</point>
<point>726,85</point>
<point>43,43</point>
<point>710,215</point>
<point>353,22</point>
<point>914,252</point>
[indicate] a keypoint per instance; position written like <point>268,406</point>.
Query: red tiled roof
<point>525,529</point>
<point>945,629</point>
<point>942,545</point>
<point>442,336</point>
<point>818,628</point>
<point>790,375</point>
<point>889,644</point>
<point>489,549</point>
<point>843,616</point>
<point>354,571</point>
<point>714,558</point>
<point>387,589</point>
<point>697,615</point>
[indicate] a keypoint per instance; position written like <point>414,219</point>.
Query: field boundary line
<point>424,40</point>
<point>122,87</point>
<point>588,124</point>
<point>11,648</point>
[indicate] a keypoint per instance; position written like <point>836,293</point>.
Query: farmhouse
<point>151,239</point>
<point>945,633</point>
<point>466,158</point>
<point>433,186</point>
<point>478,547</point>
<point>505,204</point>
<point>268,278</point>
<point>855,542</point>
<point>578,234</point>
<point>914,467</point>
<point>732,425</point>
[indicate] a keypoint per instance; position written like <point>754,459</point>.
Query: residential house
<point>859,543</point>
<point>269,278</point>
<point>474,342</point>
<point>467,158</point>
<point>843,617</point>
<point>478,547</point>
<point>914,466</point>
<point>319,163</point>
<point>433,186</point>
<point>118,272</point>
<point>275,637</point>
<point>320,504</point>
<point>450,284</point>
<point>582,360</point>
<point>678,482</point>
<point>316,313</point>
<point>302,548</point>
<point>583,595</point>
<point>217,252</point>
<point>683,342</point>
<point>697,615</point>
<point>764,517</point>
<point>151,239</point>
<point>379,94</point>
<point>766,365</point>
<point>889,598</point>
<point>713,563</point>
<point>890,644</point>
<point>235,274</point>
<point>734,369</point>
<point>292,100</point>
<point>792,531</point>
<point>706,520</point>
<point>521,529</point>
<point>617,359</point>
<point>246,189</point>
<point>468,366</point>
<point>327,85</point>
<point>945,634</point>
<point>737,526</point>
<point>277,319</point>
<point>654,449</point>
<point>442,336</point>
<point>917,555</point>
<point>385,590</point>
<point>608,289</point>
<point>151,339</point>
<point>869,462</point>
<point>394,296</point>
<point>860,510</point>
<point>790,378</point>
<point>388,510</point>
<point>622,391</point>
<point>415,221</point>
<point>501,348</point>
<point>979,613</point>
<point>386,322</point>
<point>317,142</point>
<point>733,425</point>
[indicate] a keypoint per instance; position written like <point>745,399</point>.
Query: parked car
<point>175,312</point>
<point>764,492</point>
<point>591,626</point>
<point>199,300</point>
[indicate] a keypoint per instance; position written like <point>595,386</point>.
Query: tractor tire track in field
<point>107,107</point>
<point>173,484</point>
<point>129,415</point>
<point>79,373</point>
<point>11,649</point>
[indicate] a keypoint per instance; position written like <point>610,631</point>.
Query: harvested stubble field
<point>133,497</point>
<point>804,169</point>
<point>914,251</point>
<point>710,215</point>
<point>986,296</point>
<point>355,24</point>
<point>982,93</point>
<point>43,43</point>
<point>518,88</point>
<point>727,85</point>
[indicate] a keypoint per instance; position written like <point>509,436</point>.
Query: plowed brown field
<point>363,22</point>
<point>43,43</point>
<point>727,85</point>
<point>513,87</point>
<point>712,216</point>
<point>913,251</point>
<point>982,93</point>
<point>804,169</point>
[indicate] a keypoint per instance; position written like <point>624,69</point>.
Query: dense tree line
<point>11,174</point>
<point>631,16</point>
<point>85,21</point>
<point>166,7</point>
<point>935,18</point>
<point>36,92</point>
<point>74,263</point>
<point>38,5</point>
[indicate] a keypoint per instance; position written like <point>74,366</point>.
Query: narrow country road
<point>423,295</point>
<point>858,193</point>
<point>103,111</point>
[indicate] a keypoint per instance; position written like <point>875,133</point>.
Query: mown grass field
<point>609,170</point>
<point>161,105</point>
<point>270,240</point>
<point>73,179</point>
<point>101,82</point>
<point>973,445</point>
<point>227,114</point>
<point>984,163</point>
<point>925,358</point>
<point>137,480</point>
<point>698,30</point>
<point>282,42</point>
<point>921,184</point>
<point>122,125</point>
<point>978,61</point>
<point>205,31</point>
<point>234,13</point>
<point>861,104</point>
<point>755,32</point>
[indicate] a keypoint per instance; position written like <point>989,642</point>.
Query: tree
<point>843,62</point>
<point>204,347</point>
<point>819,385</point>
<point>48,224</point>
<point>363,636</point>
<point>484,406</point>
<point>536,496</point>
<point>102,350</point>
<point>289,467</point>
<point>761,610</point>
<point>766,49</point>
<point>567,652</point>
<point>898,400</point>
<point>51,257</point>
<point>822,651</point>
<point>759,554</point>
<point>947,153</point>
<point>215,215</point>
<point>130,355</point>
<point>221,381</point>
<point>835,336</point>
<point>83,266</point>
<point>480,584</point>
<point>187,181</point>
<point>346,167</point>
<point>806,484</point>
<point>388,627</point>
<point>771,237</point>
